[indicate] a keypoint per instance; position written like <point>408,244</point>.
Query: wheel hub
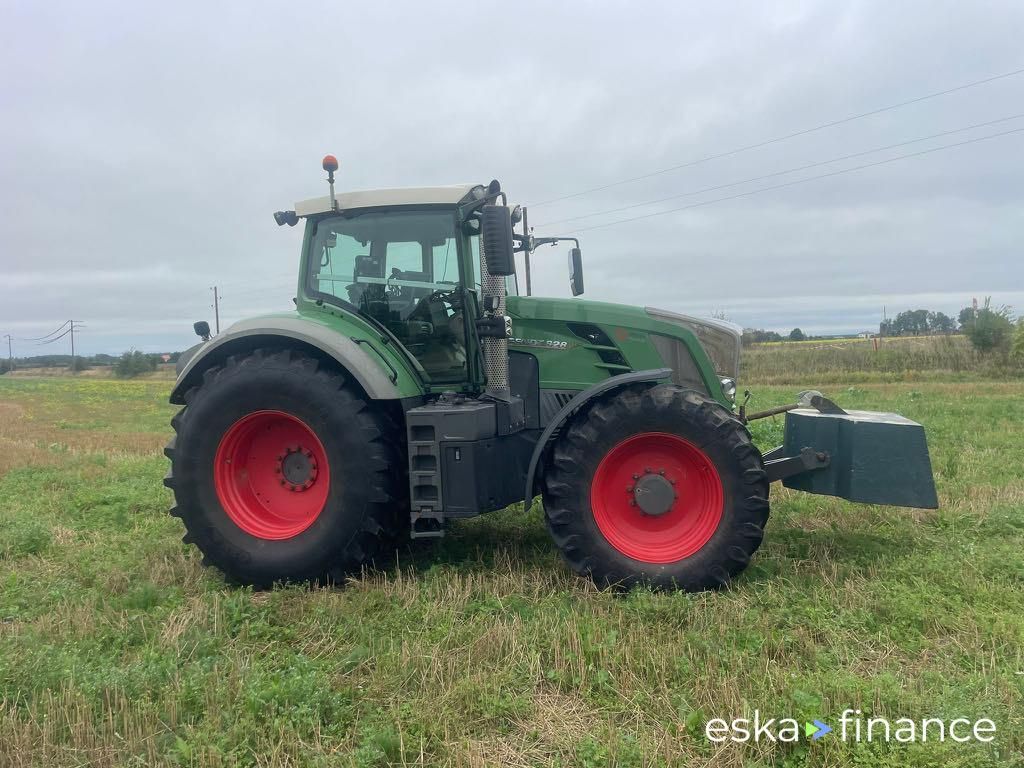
<point>297,468</point>
<point>654,494</point>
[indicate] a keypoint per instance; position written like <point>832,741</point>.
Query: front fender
<point>374,372</point>
<point>581,399</point>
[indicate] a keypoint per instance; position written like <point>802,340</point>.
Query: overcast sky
<point>144,147</point>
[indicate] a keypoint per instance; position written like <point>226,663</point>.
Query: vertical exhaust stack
<point>495,351</point>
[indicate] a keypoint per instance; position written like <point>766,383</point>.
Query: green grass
<point>118,648</point>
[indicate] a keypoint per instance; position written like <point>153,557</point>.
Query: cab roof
<point>373,198</point>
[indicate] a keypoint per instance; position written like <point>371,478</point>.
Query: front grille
<point>677,357</point>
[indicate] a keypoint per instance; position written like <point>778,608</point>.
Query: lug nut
<point>636,477</point>
<point>661,471</point>
<point>629,489</point>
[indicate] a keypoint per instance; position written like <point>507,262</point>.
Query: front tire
<point>282,471</point>
<point>658,486</point>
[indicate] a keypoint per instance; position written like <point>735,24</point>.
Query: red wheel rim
<point>271,475</point>
<point>666,466</point>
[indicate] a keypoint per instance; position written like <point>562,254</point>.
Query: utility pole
<point>71,331</point>
<point>526,252</point>
<point>216,309</point>
<point>10,354</point>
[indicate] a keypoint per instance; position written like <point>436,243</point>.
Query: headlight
<point>729,388</point>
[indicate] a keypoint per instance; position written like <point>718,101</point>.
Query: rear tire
<point>282,471</point>
<point>657,486</point>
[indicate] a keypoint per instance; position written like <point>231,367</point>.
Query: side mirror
<point>576,271</point>
<point>496,237</point>
<point>202,329</point>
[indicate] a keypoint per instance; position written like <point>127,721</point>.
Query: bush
<point>79,364</point>
<point>1017,349</point>
<point>796,335</point>
<point>990,329</point>
<point>6,366</point>
<point>134,363</point>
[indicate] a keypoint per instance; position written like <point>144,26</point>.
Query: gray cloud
<point>144,148</point>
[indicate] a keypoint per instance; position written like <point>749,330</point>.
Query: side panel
<point>544,328</point>
<point>381,370</point>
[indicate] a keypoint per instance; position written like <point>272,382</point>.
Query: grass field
<point>117,648</point>
<point>845,361</point>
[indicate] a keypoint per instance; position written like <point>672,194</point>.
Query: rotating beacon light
<point>330,164</point>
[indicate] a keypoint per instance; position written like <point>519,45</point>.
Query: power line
<point>802,181</point>
<point>70,331</point>
<point>56,338</point>
<point>767,142</point>
<point>783,173</point>
<point>40,338</point>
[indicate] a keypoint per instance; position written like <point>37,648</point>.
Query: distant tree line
<point>759,336</point>
<point>989,329</point>
<point>127,365</point>
<point>918,322</point>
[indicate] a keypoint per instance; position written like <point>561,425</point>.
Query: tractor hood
<point>719,338</point>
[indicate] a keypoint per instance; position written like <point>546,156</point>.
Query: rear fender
<point>373,371</point>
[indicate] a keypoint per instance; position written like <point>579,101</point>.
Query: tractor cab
<point>408,263</point>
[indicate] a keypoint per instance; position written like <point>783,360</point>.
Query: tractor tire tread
<point>383,492</point>
<point>610,418</point>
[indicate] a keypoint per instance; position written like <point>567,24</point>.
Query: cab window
<point>400,269</point>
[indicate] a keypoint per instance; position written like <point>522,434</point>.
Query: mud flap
<point>874,458</point>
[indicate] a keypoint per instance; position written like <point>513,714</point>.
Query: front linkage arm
<point>776,463</point>
<point>780,467</point>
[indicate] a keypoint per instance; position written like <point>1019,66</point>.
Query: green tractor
<point>413,384</point>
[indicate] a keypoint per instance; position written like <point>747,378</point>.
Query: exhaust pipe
<point>495,351</point>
